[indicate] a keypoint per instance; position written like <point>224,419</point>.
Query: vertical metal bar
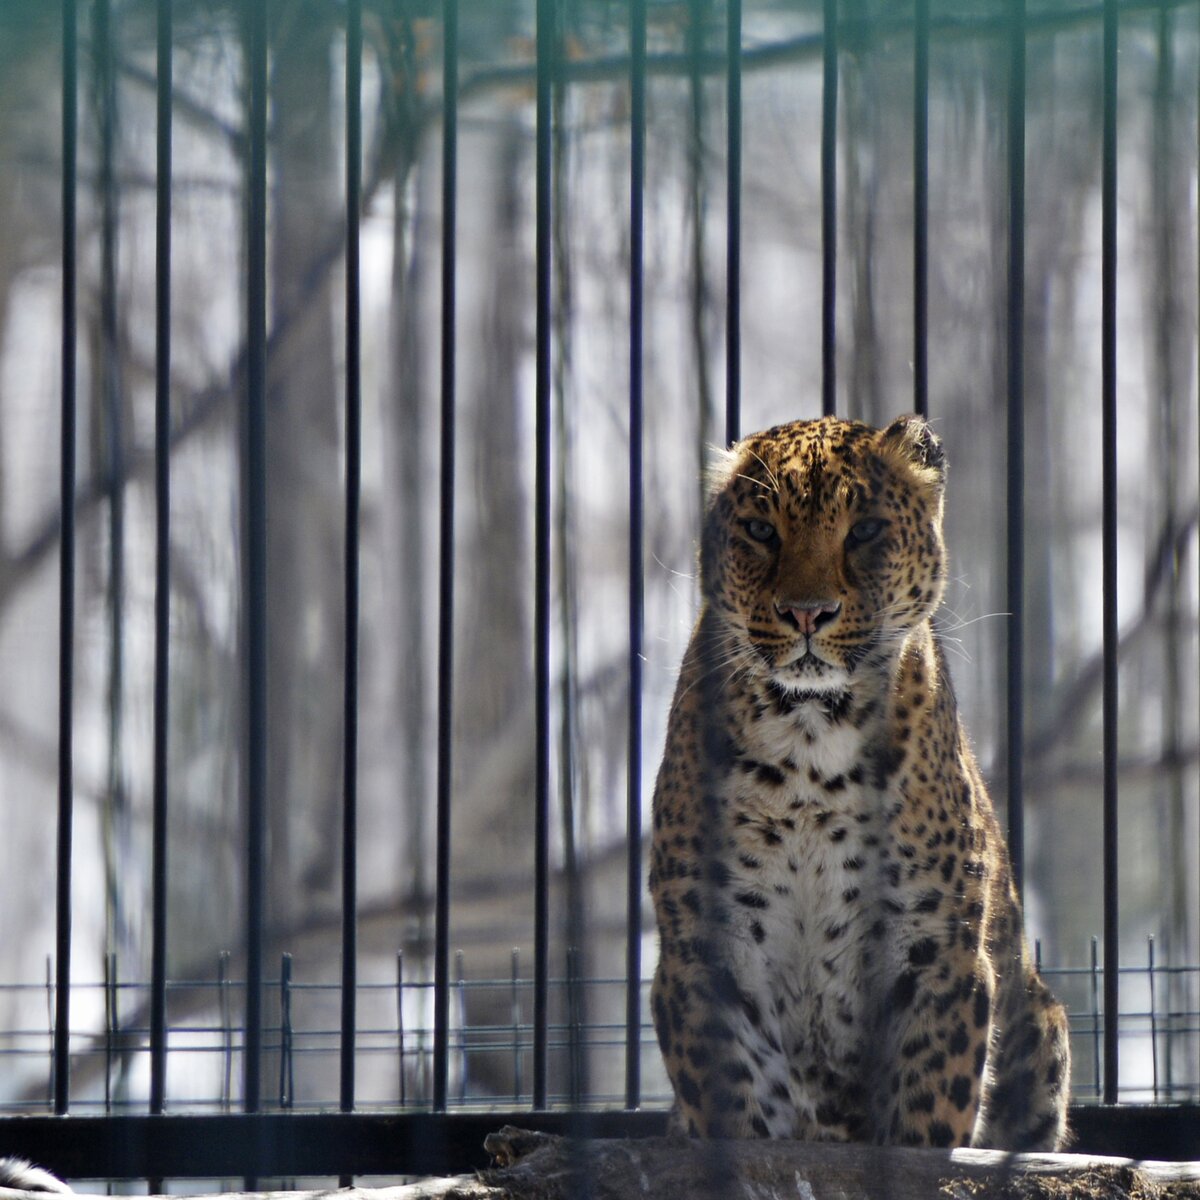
<point>66,566</point>
<point>226,1030</point>
<point>110,1025</point>
<point>515,1009</point>
<point>829,104</point>
<point>354,50</point>
<point>921,209</point>
<point>1154,1015</point>
<point>287,1078</point>
<point>733,229</point>
<point>542,532</point>
<point>403,1088</point>
<point>1108,343</point>
<point>633,782</point>
<point>162,561</point>
<point>254,569</point>
<point>50,1025</point>
<point>1095,980</point>
<point>461,982</point>
<point>441,1002</point>
<point>1016,440</point>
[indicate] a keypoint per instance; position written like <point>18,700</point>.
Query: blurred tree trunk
<point>1170,371</point>
<point>493,710</point>
<point>304,477</point>
<point>409,485</point>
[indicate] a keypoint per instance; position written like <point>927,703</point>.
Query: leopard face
<point>823,548</point>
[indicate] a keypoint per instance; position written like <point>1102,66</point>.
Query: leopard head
<point>822,547</point>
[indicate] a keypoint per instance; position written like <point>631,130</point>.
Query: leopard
<point>842,954</point>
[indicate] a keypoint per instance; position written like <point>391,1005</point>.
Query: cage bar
<point>1094,995</point>
<point>829,101</point>
<point>633,782</point>
<point>162,557</point>
<point>1015,573</point>
<point>226,1030</point>
<point>542,532</point>
<point>514,1000</point>
<point>254,597</point>
<point>287,1072</point>
<point>1108,352</point>
<point>445,717</point>
<point>66,564</point>
<point>403,1088</point>
<point>733,228</point>
<point>921,208</point>
<point>354,50</point>
<point>112,1024</point>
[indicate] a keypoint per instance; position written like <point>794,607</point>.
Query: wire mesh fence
<point>491,1039</point>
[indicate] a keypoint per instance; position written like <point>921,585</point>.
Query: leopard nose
<point>809,617</point>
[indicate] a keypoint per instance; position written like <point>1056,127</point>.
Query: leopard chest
<point>812,898</point>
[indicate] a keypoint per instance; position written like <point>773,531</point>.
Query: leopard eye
<point>865,531</point>
<point>760,531</point>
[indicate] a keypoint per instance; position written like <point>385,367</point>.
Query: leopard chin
<point>809,672</point>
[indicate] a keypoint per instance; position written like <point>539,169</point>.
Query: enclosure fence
<point>247,1121</point>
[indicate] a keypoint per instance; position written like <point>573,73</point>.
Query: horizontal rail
<point>330,1144</point>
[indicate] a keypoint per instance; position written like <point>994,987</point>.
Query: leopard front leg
<point>722,1053</point>
<point>936,1021</point>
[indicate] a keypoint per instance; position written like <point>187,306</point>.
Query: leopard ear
<point>920,445</point>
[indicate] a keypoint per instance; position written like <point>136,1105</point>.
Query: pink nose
<point>808,618</point>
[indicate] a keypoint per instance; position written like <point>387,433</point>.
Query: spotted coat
<point>841,945</point>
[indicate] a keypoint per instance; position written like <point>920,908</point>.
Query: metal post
<point>633,816</point>
<point>733,229</point>
<point>1015,573</point>
<point>542,531</point>
<point>829,104</point>
<point>66,566</point>
<point>255,548</point>
<point>353,508</point>
<point>162,561</point>
<point>1108,339</point>
<point>921,209</point>
<point>441,1020</point>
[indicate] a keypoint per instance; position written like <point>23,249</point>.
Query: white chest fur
<point>810,891</point>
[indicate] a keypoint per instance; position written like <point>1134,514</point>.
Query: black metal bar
<point>1150,971</point>
<point>354,51</point>
<point>66,571</point>
<point>199,1146</point>
<point>1094,979</point>
<point>403,1089</point>
<point>1108,351</point>
<point>542,533</point>
<point>110,1024</point>
<point>921,209</point>
<point>633,811</point>
<point>515,1011</point>
<point>460,980</point>
<point>162,560</point>
<point>226,1030</point>
<point>1015,572</point>
<point>287,1079</point>
<point>441,1019</point>
<point>255,529</point>
<point>829,104</point>
<point>733,228</point>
